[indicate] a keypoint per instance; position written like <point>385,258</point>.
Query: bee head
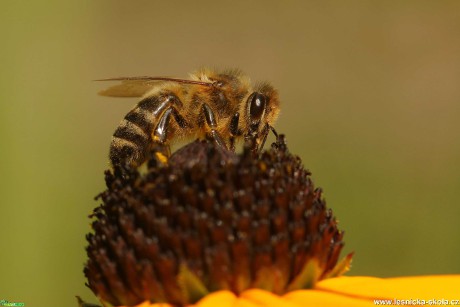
<point>262,109</point>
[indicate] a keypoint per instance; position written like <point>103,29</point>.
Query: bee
<point>221,106</point>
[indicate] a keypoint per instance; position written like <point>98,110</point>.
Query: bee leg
<point>265,132</point>
<point>160,149</point>
<point>212,123</point>
<point>250,144</point>
<point>264,138</point>
<point>277,136</point>
<point>234,130</point>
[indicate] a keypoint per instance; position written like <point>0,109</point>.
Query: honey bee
<point>221,106</point>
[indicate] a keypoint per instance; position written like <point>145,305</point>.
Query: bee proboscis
<point>222,106</point>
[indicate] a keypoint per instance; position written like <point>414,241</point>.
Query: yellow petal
<point>147,304</point>
<point>415,287</point>
<point>266,299</point>
<point>244,302</point>
<point>324,299</point>
<point>343,291</point>
<point>219,298</point>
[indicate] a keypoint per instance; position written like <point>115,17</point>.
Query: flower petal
<point>147,304</point>
<point>356,291</point>
<point>219,298</point>
<point>266,299</point>
<point>324,299</point>
<point>414,287</point>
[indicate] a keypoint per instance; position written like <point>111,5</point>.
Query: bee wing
<point>138,86</point>
<point>128,87</point>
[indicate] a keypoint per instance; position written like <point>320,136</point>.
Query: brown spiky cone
<point>211,220</point>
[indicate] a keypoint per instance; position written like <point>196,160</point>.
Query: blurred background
<point>370,101</point>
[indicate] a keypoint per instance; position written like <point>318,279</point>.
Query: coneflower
<point>211,220</point>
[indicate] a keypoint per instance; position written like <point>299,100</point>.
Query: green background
<point>370,96</point>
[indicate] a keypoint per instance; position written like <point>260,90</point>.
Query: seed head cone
<point>209,220</point>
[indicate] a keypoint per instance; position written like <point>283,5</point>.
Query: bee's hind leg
<point>212,124</point>
<point>160,150</point>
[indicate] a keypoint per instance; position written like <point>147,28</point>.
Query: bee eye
<point>257,105</point>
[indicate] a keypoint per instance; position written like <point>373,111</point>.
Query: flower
<point>211,220</point>
<point>213,228</point>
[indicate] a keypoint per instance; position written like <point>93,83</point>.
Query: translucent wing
<point>138,86</point>
<point>127,88</point>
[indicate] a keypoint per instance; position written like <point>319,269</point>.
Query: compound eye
<point>257,106</point>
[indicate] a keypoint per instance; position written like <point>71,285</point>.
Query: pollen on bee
<point>161,157</point>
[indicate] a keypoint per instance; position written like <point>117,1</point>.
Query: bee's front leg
<point>234,130</point>
<point>212,124</point>
<point>256,142</point>
<point>265,133</point>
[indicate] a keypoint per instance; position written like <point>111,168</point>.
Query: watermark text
<point>417,302</point>
<point>7,303</point>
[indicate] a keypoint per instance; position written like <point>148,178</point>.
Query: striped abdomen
<point>131,140</point>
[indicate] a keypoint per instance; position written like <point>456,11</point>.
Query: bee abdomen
<point>123,152</point>
<point>131,132</point>
<point>139,117</point>
<point>129,143</point>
